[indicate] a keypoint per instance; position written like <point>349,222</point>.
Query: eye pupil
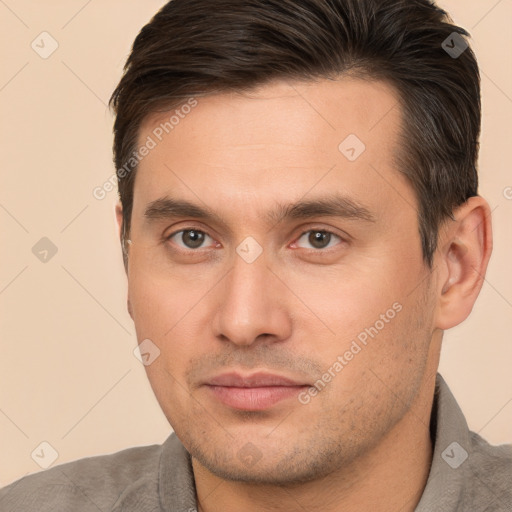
<point>319,239</point>
<point>192,238</point>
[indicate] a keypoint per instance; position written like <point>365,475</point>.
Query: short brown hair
<point>200,47</point>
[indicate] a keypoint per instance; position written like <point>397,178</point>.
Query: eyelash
<point>167,238</point>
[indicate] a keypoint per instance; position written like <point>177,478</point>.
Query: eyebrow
<point>331,206</point>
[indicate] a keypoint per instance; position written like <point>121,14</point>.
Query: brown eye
<point>192,238</point>
<point>318,239</point>
<point>189,238</point>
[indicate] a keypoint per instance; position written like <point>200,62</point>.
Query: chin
<point>261,467</point>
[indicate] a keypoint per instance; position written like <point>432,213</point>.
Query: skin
<point>364,438</point>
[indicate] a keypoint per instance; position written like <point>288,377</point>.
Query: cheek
<point>163,312</point>
<point>161,317</point>
<point>347,298</point>
<point>162,301</point>
<point>372,312</point>
<point>377,358</point>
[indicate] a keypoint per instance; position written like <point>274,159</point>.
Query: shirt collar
<point>452,445</point>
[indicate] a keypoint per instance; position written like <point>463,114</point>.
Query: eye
<point>189,238</point>
<point>318,238</point>
<point>192,239</point>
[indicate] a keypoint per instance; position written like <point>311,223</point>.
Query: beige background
<point>68,375</point>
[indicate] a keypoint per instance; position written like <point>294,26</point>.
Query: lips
<point>255,392</point>
<point>256,380</point>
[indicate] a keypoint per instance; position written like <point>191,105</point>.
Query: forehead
<point>274,143</point>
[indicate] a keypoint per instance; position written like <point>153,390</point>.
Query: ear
<point>465,246</point>
<point>119,217</point>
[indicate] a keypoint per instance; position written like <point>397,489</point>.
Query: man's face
<point>283,365</point>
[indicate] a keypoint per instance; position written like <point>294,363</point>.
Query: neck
<point>391,476</point>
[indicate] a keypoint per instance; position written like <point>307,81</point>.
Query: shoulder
<point>490,471</point>
<point>467,472</point>
<point>91,483</point>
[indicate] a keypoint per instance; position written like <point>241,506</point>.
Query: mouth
<point>255,392</point>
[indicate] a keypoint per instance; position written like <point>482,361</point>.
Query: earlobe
<point>463,255</point>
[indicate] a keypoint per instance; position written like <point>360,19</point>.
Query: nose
<point>252,305</point>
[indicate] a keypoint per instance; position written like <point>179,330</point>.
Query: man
<point>300,224</point>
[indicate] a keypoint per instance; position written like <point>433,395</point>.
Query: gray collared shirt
<point>467,474</point>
